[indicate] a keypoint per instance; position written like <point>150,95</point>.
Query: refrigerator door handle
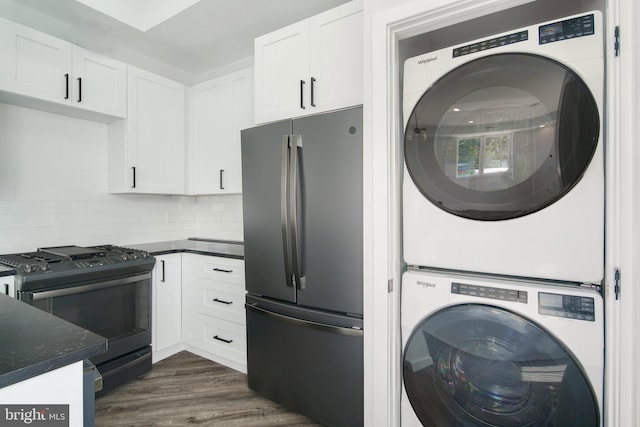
<point>284,162</point>
<point>295,143</point>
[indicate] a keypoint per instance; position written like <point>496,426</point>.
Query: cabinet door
<point>167,294</point>
<point>7,286</point>
<point>99,84</point>
<point>282,77</point>
<point>336,58</point>
<point>155,133</point>
<point>34,64</point>
<point>220,109</point>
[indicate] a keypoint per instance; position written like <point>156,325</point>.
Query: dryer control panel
<point>512,295</point>
<point>567,29</point>
<point>569,306</point>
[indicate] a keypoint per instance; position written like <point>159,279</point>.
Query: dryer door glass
<point>501,136</point>
<point>478,365</point>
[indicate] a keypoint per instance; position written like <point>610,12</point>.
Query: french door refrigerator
<point>302,203</point>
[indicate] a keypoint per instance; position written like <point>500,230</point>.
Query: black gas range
<point>105,289</point>
<point>64,266</point>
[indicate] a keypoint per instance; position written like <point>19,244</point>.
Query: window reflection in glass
<point>494,138</point>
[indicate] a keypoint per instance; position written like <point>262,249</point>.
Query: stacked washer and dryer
<point>503,230</point>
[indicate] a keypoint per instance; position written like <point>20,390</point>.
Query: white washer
<point>483,351</point>
<point>503,153</point>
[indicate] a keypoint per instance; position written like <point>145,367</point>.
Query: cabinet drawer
<point>222,300</point>
<point>221,269</point>
<point>223,338</point>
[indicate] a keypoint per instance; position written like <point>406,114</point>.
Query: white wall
<point>53,191</point>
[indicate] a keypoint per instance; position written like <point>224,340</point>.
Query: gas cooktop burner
<point>70,258</point>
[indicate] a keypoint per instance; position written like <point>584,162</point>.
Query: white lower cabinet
<point>166,312</point>
<point>7,286</point>
<point>213,318</point>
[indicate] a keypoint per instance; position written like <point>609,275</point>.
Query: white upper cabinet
<point>34,64</point>
<point>45,68</point>
<point>311,66</point>
<point>281,72</point>
<point>99,84</point>
<point>336,58</point>
<point>220,108</point>
<point>146,152</point>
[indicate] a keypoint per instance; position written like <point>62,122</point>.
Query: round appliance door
<point>478,365</point>
<point>501,136</point>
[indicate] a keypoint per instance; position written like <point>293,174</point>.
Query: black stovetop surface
<point>72,259</point>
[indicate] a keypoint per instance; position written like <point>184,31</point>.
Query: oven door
<point>116,308</point>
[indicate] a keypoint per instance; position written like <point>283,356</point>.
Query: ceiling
<point>189,46</point>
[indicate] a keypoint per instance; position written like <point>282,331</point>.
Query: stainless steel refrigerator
<point>302,203</point>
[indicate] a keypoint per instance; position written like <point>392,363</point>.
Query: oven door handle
<point>88,288</point>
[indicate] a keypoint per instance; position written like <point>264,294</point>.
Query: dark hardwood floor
<point>186,389</point>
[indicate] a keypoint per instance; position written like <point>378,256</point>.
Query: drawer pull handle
<point>222,339</point>
<point>222,270</point>
<point>222,301</point>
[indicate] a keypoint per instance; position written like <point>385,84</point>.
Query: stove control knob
<point>124,257</point>
<point>43,267</point>
<point>27,268</point>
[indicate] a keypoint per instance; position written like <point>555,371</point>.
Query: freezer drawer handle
<point>215,337</point>
<point>222,270</point>
<point>221,301</point>
<point>353,331</point>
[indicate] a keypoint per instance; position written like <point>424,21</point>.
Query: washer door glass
<point>501,136</point>
<point>477,365</point>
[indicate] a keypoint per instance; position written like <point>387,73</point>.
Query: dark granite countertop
<point>33,342</point>
<point>221,248</point>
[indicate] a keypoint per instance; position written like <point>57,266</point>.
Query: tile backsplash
<point>53,191</point>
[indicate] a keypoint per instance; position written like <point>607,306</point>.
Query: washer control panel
<point>512,295</point>
<point>567,29</point>
<point>569,306</point>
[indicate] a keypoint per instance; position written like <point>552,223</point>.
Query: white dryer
<point>496,353</point>
<point>503,153</point>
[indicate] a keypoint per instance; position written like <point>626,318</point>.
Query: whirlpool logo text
<point>427,60</point>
